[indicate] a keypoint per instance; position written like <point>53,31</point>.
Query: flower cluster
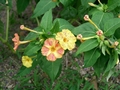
<point>54,48</point>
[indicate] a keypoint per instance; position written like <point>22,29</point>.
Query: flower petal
<point>45,51</point>
<point>51,57</point>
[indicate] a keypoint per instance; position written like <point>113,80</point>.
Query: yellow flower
<point>27,61</point>
<point>66,39</point>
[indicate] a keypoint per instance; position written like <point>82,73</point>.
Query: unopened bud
<point>22,27</point>
<point>92,4</point>
<point>117,61</point>
<point>99,32</point>
<point>116,43</point>
<point>79,36</point>
<point>86,18</point>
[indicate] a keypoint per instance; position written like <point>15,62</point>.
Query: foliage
<point>94,25</point>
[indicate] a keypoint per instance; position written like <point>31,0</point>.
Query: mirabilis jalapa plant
<point>52,39</point>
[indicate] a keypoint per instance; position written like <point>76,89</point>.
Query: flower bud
<point>106,42</point>
<point>79,36</point>
<point>99,32</point>
<point>116,43</point>
<point>22,27</point>
<point>86,18</point>
<point>92,4</point>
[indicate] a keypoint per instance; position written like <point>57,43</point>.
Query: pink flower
<point>52,49</point>
<point>99,32</point>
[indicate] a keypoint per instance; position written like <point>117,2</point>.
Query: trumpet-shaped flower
<point>27,61</point>
<point>17,41</point>
<point>52,49</point>
<point>66,39</point>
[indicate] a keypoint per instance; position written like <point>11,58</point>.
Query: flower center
<point>27,60</point>
<point>65,40</point>
<point>52,49</point>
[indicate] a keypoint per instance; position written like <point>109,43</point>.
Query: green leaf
<point>68,13</point>
<point>21,5</point>
<point>112,4</point>
<point>55,28</point>
<point>100,18</point>
<point>46,21</point>
<point>51,68</point>
<point>112,61</point>
<point>2,1</point>
<point>117,33</point>
<point>31,49</point>
<point>85,3</point>
<point>66,2</point>
<point>1,27</point>
<point>111,25</point>
<point>91,57</point>
<point>87,45</point>
<point>42,7</point>
<point>104,47</point>
<point>64,24</point>
<point>100,65</point>
<point>86,30</point>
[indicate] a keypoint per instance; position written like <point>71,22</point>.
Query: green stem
<point>38,23</point>
<point>100,3</point>
<point>2,40</point>
<point>7,23</point>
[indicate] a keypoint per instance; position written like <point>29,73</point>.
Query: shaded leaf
<point>112,4</point>
<point>101,64</point>
<point>21,5</point>
<point>68,12</point>
<point>3,1</point>
<point>85,3</point>
<point>66,2</point>
<point>55,28</point>
<point>42,7</point>
<point>87,45</point>
<point>112,61</point>
<point>91,57</point>
<point>63,24</point>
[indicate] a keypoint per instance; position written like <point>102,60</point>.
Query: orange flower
<point>17,42</point>
<point>52,49</point>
